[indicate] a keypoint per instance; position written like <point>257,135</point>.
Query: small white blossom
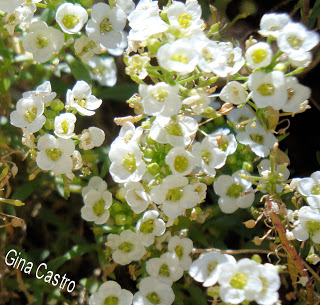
<point>127,247</point>
<point>136,196</point>
<point>258,139</point>
<point>103,70</point>
<point>96,206</point>
<point>234,192</point>
<point>111,293</point>
<point>206,269</point>
<point>86,48</point>
<point>96,183</point>
<point>233,93</point>
<point>126,5</point>
<point>128,134</point>
<point>64,125</point>
<point>297,94</point>
<point>310,188</point>
<point>180,56</point>
<point>165,268</point>
<point>150,226</point>
<point>106,24</point>
<point>176,131</point>
<point>160,98</point>
<point>71,18</point>
<point>126,163</point>
<point>295,40</point>
<point>268,89</point>
<point>226,140</point>
<point>44,91</point>
<point>185,18</point>
<point>42,41</point>
<point>91,137</point>
<point>259,55</point>
<point>10,6</point>
<point>272,24</point>
<point>29,114</point>
<point>308,224</point>
<point>240,281</point>
<point>152,291</point>
<point>208,155</point>
<point>81,99</point>
<point>239,115</point>
<point>180,161</point>
<point>55,154</point>
<point>198,101</point>
<point>182,247</point>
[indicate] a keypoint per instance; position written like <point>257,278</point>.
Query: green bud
<point>120,219</point>
<point>232,159</point>
<point>215,28</point>
<point>148,153</point>
<point>50,114</point>
<point>247,166</point>
<point>56,105</point>
<point>129,220</point>
<point>153,169</point>
<point>149,140</point>
<point>49,124</point>
<point>153,45</point>
<point>117,207</point>
<point>164,15</point>
<point>256,258</point>
<point>86,3</point>
<point>146,124</point>
<point>207,180</point>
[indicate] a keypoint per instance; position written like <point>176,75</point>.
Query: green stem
<point>189,79</point>
<point>42,5</point>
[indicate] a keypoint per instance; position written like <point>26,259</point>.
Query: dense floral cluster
<point>165,165</point>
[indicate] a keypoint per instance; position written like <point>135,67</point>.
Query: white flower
<point>206,269</point>
<point>137,65</point>
<point>10,6</point>
<point>64,125</point>
<point>180,56</point>
<point>144,22</point>
<point>176,195</point>
<point>81,99</point>
<point>226,140</point>
<point>185,18</point>
<point>55,154</point>
<point>76,160</point>
<point>86,48</point>
<point>136,196</point>
<point>268,274</point>
<point>122,45</point>
<point>208,155</point>
<point>264,169</point>
<point>106,25</point>
<point>234,192</point>
<point>180,161</point>
<point>304,60</point>
<point>165,268</point>
<point>233,93</point>
<point>44,91</point>
<point>297,94</point>
<point>42,41</point>
<point>239,115</point>
<point>295,40</point>
<point>198,101</point>
<point>91,137</point>
<point>308,224</point>
<point>127,247</point>
<point>150,226</point>
<point>96,206</point>
<point>111,293</point>
<point>240,281</point>
<point>268,89</point>
<point>160,98</point>
<point>272,24</point>
<point>258,139</point>
<point>259,55</point>
<point>176,131</point>
<point>128,134</point>
<point>152,291</point>
<point>96,183</point>
<point>71,18</point>
<point>103,70</point>
<point>29,114</point>
<point>310,188</point>
<point>182,247</point>
<point>127,164</point>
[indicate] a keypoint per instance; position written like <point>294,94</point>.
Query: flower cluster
<point>50,133</point>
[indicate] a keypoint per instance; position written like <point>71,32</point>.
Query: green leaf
<point>315,13</point>
<point>24,191</point>
<point>197,296</point>
<point>78,70</point>
<point>77,250</point>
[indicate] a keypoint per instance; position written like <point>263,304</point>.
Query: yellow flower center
<point>70,21</point>
<point>53,154</point>
<point>239,281</point>
<point>180,164</point>
<point>184,20</point>
<point>259,55</point>
<point>266,89</point>
<point>31,114</point>
<point>41,41</point>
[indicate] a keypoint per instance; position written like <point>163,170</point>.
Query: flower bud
<point>247,166</point>
<point>120,219</point>
<point>256,258</point>
<point>153,169</point>
<point>57,105</point>
<point>153,45</point>
<point>49,124</point>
